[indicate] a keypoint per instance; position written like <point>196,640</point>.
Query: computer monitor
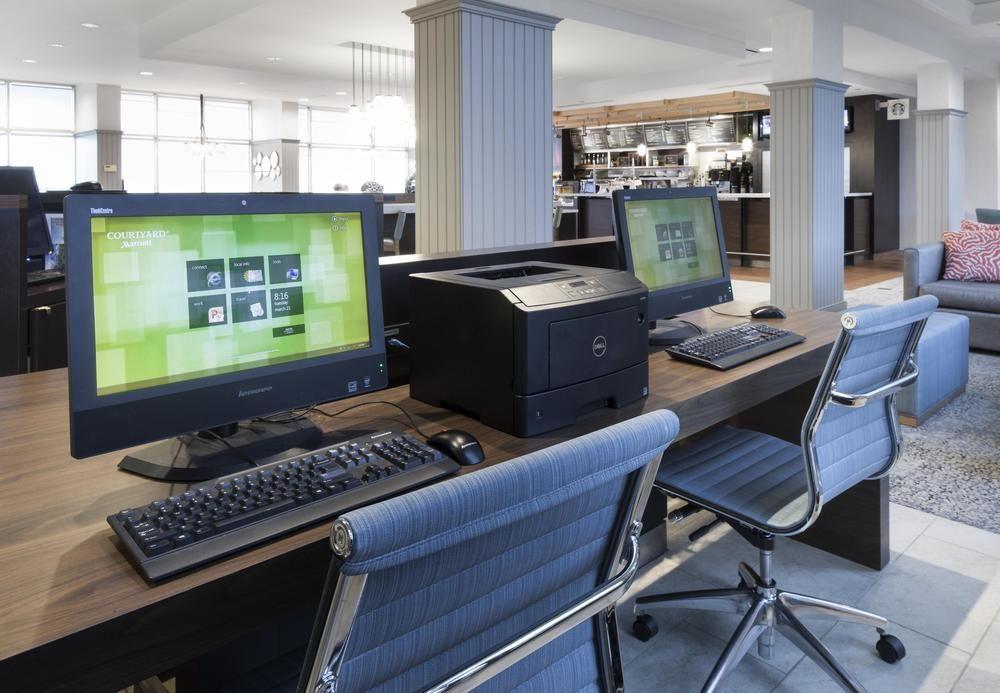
<point>672,240</point>
<point>20,180</point>
<point>193,312</point>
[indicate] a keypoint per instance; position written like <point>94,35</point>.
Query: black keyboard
<point>734,345</point>
<point>235,512</point>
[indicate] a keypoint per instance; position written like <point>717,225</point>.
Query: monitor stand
<point>203,456</point>
<point>671,332</point>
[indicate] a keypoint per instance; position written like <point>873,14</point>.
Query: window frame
<point>156,137</point>
<point>306,143</point>
<point>7,132</point>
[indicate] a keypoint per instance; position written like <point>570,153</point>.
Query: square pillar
<point>99,134</point>
<point>807,194</point>
<point>484,125</point>
<point>940,129</point>
<point>274,152</point>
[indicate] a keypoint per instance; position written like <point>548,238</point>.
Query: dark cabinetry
<point>874,145</point>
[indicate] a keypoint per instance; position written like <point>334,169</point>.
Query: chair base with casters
<point>764,487</point>
<point>766,608</point>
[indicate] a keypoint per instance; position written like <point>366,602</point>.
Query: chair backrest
<point>988,216</point>
<point>851,431</point>
<point>436,579</point>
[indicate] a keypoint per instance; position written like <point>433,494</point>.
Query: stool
<point>943,358</point>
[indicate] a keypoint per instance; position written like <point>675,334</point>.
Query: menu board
<point>675,133</point>
<point>595,139</point>
<point>625,137</point>
<point>719,130</point>
<point>654,135</point>
<point>575,140</point>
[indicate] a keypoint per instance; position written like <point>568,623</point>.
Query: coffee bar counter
<point>746,223</point>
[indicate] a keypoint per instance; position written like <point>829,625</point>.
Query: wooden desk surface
<point>62,573</point>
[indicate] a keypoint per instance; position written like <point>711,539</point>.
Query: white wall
<point>982,146</point>
<point>907,182</point>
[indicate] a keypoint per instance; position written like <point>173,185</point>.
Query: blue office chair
<point>504,579</point>
<point>764,486</point>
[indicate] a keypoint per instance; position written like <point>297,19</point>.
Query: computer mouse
<point>459,446</point>
<point>766,312</point>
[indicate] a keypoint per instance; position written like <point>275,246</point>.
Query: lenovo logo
<point>255,391</point>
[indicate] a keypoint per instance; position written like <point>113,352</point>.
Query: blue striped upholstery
<point>458,568</point>
<point>943,358</point>
<point>854,444</point>
<point>764,481</point>
<point>753,474</point>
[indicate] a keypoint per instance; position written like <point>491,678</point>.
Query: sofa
<point>979,301</point>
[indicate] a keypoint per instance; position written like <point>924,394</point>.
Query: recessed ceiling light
<point>30,61</point>
<point>341,93</point>
<point>90,25</point>
<point>56,45</point>
<point>304,99</point>
<point>145,73</point>
<point>273,59</point>
<point>243,84</point>
<point>765,49</point>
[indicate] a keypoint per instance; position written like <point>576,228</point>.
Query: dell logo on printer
<point>600,346</point>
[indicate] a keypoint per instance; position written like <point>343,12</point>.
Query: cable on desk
<point>701,330</point>
<point>409,418</point>
<point>730,315</point>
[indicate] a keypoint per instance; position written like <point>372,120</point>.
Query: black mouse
<point>459,446</point>
<point>766,312</point>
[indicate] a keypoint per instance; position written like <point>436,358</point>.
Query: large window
<point>161,150</point>
<point>36,129</point>
<point>341,149</point>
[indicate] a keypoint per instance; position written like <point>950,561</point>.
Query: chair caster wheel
<point>890,648</point>
<point>645,627</point>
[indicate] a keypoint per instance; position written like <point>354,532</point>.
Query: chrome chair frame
<point>766,608</point>
<point>622,564</point>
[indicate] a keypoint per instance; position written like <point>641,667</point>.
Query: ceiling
<point>604,51</point>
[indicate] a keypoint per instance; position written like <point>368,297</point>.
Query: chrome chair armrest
<point>844,399</point>
<point>540,635</point>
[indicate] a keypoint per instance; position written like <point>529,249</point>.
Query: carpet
<point>950,466</point>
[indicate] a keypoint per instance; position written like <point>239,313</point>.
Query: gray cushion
<point>988,216</point>
<point>753,474</point>
<point>979,296</point>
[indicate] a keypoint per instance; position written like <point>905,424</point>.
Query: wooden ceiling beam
<point>664,109</point>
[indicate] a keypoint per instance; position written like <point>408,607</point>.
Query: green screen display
<point>673,242</point>
<point>184,297</point>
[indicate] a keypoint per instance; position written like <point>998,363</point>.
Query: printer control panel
<point>583,288</point>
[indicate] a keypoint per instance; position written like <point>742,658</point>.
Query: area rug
<point>950,466</point>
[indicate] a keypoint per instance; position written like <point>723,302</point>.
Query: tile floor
<point>940,592</point>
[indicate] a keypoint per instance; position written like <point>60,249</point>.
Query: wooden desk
<point>75,616</point>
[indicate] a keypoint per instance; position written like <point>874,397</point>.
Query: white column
<point>982,145</point>
<point>940,126</point>
<point>99,134</point>
<point>807,162</point>
<point>274,152</point>
<point>484,125</point>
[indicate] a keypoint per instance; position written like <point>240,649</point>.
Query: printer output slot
<point>518,272</point>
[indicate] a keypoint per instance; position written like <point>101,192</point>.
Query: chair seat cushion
<point>755,476</point>
<point>978,296</point>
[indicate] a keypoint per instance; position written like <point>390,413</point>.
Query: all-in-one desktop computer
<point>672,240</point>
<point>222,319</point>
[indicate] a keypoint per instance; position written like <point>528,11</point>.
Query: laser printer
<point>528,347</point>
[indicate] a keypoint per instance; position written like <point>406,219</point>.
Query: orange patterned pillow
<point>972,256</point>
<point>969,225</point>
